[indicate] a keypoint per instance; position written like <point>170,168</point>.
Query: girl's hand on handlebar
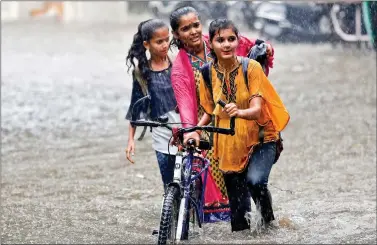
<point>175,138</point>
<point>232,110</point>
<point>130,151</point>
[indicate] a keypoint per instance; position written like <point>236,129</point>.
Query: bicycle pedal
<point>154,232</point>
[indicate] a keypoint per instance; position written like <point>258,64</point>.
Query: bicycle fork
<point>182,216</point>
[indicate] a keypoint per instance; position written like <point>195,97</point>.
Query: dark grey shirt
<point>161,92</point>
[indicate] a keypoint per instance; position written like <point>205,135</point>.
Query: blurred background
<point>65,91</point>
<point>289,21</point>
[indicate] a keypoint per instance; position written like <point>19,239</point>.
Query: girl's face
<point>158,45</point>
<point>189,31</point>
<point>224,44</point>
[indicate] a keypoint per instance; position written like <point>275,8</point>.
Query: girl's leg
<point>239,200</point>
<point>166,164</point>
<point>258,172</point>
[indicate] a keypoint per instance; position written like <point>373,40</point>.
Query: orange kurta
<point>233,151</point>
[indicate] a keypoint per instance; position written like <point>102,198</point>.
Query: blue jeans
<point>251,182</point>
<point>166,164</point>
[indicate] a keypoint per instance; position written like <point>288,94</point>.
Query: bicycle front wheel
<point>169,216</point>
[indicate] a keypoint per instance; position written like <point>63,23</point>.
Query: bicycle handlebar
<point>148,124</point>
<point>232,120</point>
<point>182,131</point>
<point>186,130</point>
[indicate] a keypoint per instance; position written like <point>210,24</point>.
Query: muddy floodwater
<point>65,179</point>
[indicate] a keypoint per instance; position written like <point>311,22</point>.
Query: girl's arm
<point>133,114</point>
<point>205,120</point>
<point>256,79</point>
<point>182,79</point>
<point>130,151</point>
<point>131,132</point>
<point>254,110</point>
<point>206,101</point>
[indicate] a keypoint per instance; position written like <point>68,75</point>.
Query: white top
<point>161,136</point>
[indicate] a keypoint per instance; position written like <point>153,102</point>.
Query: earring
<point>148,54</point>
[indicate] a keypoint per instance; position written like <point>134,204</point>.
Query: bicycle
<point>185,194</point>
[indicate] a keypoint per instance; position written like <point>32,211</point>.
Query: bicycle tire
<point>195,193</point>
<point>169,216</point>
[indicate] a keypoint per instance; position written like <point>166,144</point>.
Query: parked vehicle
<point>243,12</point>
<point>339,22</point>
<point>207,9</point>
<point>294,21</point>
<point>370,19</point>
<point>162,9</point>
<point>348,23</point>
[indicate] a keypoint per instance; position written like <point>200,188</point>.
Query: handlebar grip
<point>232,120</point>
<point>221,102</point>
<point>145,123</point>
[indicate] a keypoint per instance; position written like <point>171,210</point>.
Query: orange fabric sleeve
<point>273,107</point>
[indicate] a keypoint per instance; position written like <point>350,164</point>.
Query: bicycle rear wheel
<point>169,216</point>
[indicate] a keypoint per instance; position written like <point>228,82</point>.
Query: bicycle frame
<point>184,166</point>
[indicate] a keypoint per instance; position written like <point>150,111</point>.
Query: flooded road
<point>65,179</point>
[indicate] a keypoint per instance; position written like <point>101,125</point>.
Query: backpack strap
<point>245,64</point>
<point>207,75</point>
<point>144,88</point>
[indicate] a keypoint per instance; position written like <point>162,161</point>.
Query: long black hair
<point>175,17</point>
<point>145,32</point>
<point>220,24</point>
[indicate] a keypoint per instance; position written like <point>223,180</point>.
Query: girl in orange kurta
<point>193,54</point>
<point>245,159</point>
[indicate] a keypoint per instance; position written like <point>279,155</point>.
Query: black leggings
<point>251,182</point>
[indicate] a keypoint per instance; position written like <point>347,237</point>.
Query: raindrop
<point>140,176</point>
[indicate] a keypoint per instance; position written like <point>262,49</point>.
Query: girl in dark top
<point>153,77</point>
